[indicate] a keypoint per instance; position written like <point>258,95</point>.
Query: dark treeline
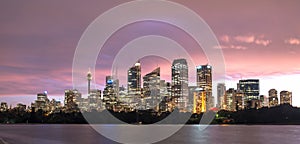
<point>283,114</point>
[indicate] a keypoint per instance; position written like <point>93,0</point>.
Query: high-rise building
<point>151,88</point>
<point>54,106</point>
<point>286,97</point>
<point>134,79</point>
<point>239,100</point>
<point>250,88</point>
<point>94,100</point>
<point>204,80</point>
<point>180,84</point>
<point>230,99</point>
<point>273,98</point>
<point>73,101</point>
<point>221,89</point>
<point>111,92</point>
<point>42,102</point>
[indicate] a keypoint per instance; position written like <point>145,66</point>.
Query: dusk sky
<point>259,39</point>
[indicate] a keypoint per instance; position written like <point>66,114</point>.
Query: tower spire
<point>89,78</point>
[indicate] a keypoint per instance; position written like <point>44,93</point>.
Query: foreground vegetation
<point>283,114</point>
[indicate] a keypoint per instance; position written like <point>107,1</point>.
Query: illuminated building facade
<point>180,83</point>
<point>72,101</point>
<point>134,79</point>
<point>221,89</point>
<point>94,100</point>
<point>151,89</point>
<point>204,80</point>
<point>42,102</point>
<point>230,99</point>
<point>286,97</point>
<point>239,100</point>
<point>250,88</point>
<point>111,92</point>
<point>273,98</point>
<point>199,101</point>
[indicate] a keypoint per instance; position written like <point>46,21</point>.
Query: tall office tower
<point>151,88</point>
<point>42,102</point>
<point>250,88</point>
<point>229,99</point>
<point>94,100</point>
<point>72,101</point>
<point>164,89</point>
<point>111,92</point>
<point>286,97</point>
<point>204,80</point>
<point>89,78</point>
<point>273,98</point>
<point>239,100</point>
<point>180,84</point>
<point>134,79</point>
<point>221,89</point>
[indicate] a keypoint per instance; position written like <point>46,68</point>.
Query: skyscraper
<point>221,89</point>
<point>111,92</point>
<point>42,102</point>
<point>72,100</point>
<point>204,80</point>
<point>250,88</point>
<point>134,79</point>
<point>180,83</point>
<point>286,97</point>
<point>229,99</point>
<point>273,98</point>
<point>151,88</point>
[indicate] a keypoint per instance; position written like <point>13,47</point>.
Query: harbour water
<point>190,134</point>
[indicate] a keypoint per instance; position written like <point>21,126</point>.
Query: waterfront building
<point>286,97</point>
<point>180,84</point>
<point>204,80</point>
<point>250,88</point>
<point>273,98</point>
<point>221,89</point>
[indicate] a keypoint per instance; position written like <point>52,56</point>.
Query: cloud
<point>245,39</point>
<point>237,47</point>
<point>293,41</point>
<point>225,38</point>
<point>248,39</point>
<point>262,42</point>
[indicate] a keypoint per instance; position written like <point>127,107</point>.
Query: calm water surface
<point>84,134</point>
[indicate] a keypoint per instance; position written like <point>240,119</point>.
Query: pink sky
<point>259,39</point>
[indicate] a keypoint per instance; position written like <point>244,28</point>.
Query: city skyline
<point>246,89</point>
<point>38,44</point>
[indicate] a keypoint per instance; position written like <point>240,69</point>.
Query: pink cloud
<point>245,39</point>
<point>225,38</point>
<point>293,41</point>
<point>238,47</point>
<point>262,42</point>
